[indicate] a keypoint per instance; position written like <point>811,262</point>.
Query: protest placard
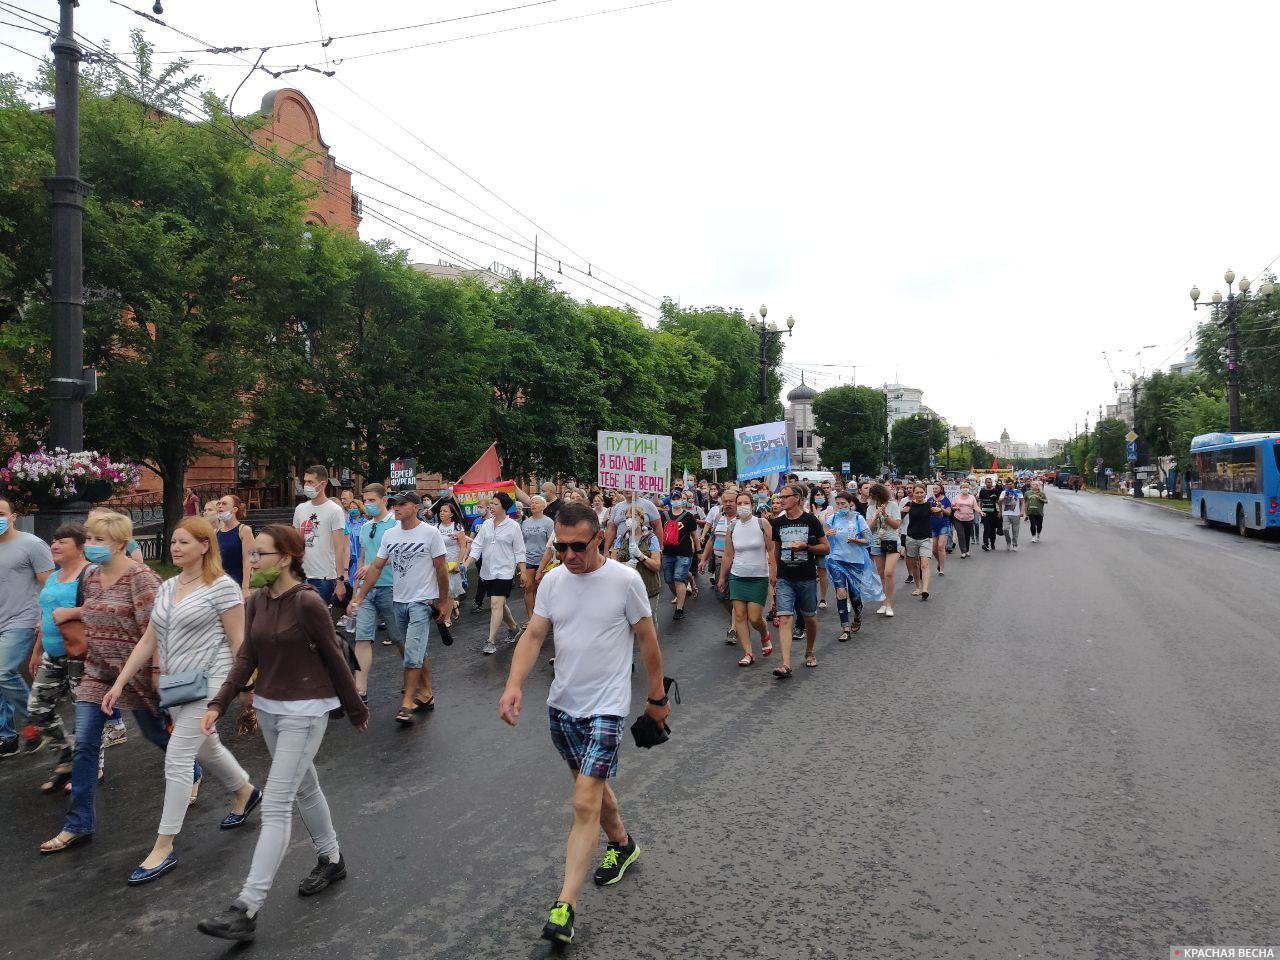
<point>761,450</point>
<point>633,462</point>
<point>470,496</point>
<point>404,474</point>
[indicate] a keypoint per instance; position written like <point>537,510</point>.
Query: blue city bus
<point>1237,480</point>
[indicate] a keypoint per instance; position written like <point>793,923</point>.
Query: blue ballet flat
<point>143,875</point>
<point>233,820</point>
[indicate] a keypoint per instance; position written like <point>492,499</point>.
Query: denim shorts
<point>589,745</point>
<point>414,620</point>
<point>676,569</point>
<point>796,596</point>
<point>377,603</point>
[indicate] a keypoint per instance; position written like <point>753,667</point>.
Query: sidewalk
<point>1177,506</point>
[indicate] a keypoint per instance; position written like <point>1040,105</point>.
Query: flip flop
<point>57,846</point>
<point>419,706</point>
<point>782,673</point>
<point>844,635</point>
<point>404,717</point>
<point>810,660</point>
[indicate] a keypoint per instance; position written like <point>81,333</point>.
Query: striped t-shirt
<point>189,634</point>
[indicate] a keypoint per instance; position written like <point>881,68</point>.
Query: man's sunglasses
<point>577,546</point>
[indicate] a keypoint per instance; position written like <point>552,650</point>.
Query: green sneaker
<point>559,925</point>
<point>615,862</point>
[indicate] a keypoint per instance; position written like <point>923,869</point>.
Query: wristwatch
<point>660,703</point>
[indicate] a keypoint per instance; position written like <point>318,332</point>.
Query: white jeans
<point>187,744</point>
<point>293,742</point>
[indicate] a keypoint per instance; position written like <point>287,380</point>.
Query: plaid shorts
<point>590,745</point>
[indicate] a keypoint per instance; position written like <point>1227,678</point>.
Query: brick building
<point>292,128</point>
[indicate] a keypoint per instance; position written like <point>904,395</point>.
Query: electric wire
<point>591,270</point>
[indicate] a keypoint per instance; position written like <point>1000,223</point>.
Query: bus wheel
<point>1241,528</point>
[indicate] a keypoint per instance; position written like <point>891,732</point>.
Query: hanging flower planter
<point>47,478</point>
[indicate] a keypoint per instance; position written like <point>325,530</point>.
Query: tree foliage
<point>912,438</point>
<point>851,421</point>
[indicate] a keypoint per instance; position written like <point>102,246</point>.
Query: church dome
<point>802,393</point>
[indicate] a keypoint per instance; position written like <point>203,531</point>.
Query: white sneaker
<point>881,610</point>
<point>489,648</point>
<point>888,611</point>
<point>1014,548</point>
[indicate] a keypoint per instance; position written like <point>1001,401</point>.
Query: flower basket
<point>47,478</point>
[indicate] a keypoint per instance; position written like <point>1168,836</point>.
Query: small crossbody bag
<point>188,686</point>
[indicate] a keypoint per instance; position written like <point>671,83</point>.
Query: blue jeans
<point>414,620</point>
<point>84,759</point>
<point>323,587</point>
<point>378,604</point>
<point>15,648</point>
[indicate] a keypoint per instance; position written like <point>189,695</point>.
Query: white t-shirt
<point>411,555</point>
<point>592,615</point>
<point>317,526</point>
<point>502,547</point>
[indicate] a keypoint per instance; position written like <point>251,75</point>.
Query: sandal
<point>420,706</point>
<point>822,604</point>
<point>844,635</point>
<point>782,673</point>
<point>924,595</point>
<point>747,661</point>
<point>57,844</point>
<point>766,648</point>
<point>810,660</point>
<point>56,782</point>
<point>404,717</point>
<point>195,791</point>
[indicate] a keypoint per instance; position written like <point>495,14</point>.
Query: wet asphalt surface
<point>1067,752</point>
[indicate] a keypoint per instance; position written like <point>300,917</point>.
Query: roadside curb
<point>1149,501</point>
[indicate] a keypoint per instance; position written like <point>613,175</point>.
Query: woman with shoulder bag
<point>748,568</point>
<point>118,597</point>
<point>644,550</point>
<point>196,627</point>
<point>302,675</point>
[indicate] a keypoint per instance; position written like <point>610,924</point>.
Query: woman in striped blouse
<point>197,624</point>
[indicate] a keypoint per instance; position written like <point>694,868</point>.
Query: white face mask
<point>309,492</point>
<point>224,515</point>
<point>744,512</point>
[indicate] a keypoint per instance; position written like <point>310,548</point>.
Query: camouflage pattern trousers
<point>55,678</point>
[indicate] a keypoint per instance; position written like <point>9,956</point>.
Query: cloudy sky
<point>974,199</point>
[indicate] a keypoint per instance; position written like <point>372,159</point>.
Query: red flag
<point>485,470</point>
<point>995,462</point>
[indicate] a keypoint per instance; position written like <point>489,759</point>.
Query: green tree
<point>912,438</point>
<point>851,421</point>
<point>1259,367</point>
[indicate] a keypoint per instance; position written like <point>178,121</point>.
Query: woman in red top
<point>118,596</point>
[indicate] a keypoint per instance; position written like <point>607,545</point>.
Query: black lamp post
<point>1228,311</point>
<point>767,332</point>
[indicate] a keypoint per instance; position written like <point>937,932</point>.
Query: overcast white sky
<point>975,199</point>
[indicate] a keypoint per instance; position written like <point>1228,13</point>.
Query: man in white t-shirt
<point>323,525</point>
<point>419,580</point>
<point>598,608</point>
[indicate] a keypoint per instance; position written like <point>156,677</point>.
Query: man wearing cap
<point>420,579</point>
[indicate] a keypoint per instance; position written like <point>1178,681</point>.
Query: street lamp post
<point>1230,308</point>
<point>767,332</point>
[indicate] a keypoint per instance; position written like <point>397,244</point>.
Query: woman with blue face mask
<point>235,540</point>
<point>848,533</point>
<point>118,596</point>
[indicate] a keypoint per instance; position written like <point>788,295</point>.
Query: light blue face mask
<point>4,526</point>
<point>840,514</point>
<point>97,553</point>
<point>371,509</point>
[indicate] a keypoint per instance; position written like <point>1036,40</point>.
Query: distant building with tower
<point>805,443</point>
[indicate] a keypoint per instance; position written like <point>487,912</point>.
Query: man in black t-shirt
<point>989,504</point>
<point>679,543</point>
<point>798,540</point>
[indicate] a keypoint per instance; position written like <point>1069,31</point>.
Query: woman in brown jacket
<point>302,675</point>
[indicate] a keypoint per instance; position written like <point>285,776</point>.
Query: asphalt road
<point>1067,752</point>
